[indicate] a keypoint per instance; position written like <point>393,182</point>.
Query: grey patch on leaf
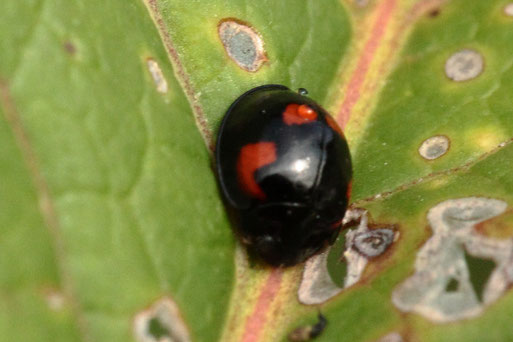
<point>392,337</point>
<point>441,289</point>
<point>373,242</point>
<point>434,147</point>
<point>162,322</point>
<point>316,285</point>
<point>508,9</point>
<point>464,65</point>
<point>361,244</point>
<point>157,75</point>
<point>242,44</point>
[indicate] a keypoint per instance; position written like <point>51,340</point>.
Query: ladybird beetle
<point>284,170</point>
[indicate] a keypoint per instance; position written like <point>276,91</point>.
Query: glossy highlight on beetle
<point>284,170</point>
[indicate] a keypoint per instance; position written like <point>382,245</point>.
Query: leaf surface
<point>111,223</point>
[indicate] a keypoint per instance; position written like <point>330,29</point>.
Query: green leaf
<point>135,214</point>
<point>111,224</point>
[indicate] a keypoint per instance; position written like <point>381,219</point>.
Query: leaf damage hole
<point>242,43</point>
<point>508,9</point>
<point>434,147</point>
<point>453,285</point>
<point>157,330</point>
<point>336,264</point>
<point>464,65</point>
<point>157,75</point>
<point>479,270</point>
<point>361,245</point>
<point>458,272</point>
<point>161,322</point>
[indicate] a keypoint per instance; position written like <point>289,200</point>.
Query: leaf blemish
<point>161,322</point>
<point>458,272</point>
<point>361,3</point>
<point>55,299</point>
<point>434,147</point>
<point>157,75</point>
<point>391,337</point>
<point>316,285</point>
<point>69,47</point>
<point>242,44</point>
<point>374,242</point>
<point>464,65</point>
<point>309,332</point>
<point>508,9</point>
<point>361,245</point>
<point>434,13</point>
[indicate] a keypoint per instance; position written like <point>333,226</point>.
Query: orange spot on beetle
<point>306,112</point>
<point>251,158</point>
<point>296,114</point>
<point>336,224</point>
<point>349,189</point>
<point>334,126</point>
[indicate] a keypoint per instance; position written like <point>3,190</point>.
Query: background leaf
<point>108,200</point>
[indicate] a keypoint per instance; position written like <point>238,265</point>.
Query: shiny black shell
<point>284,170</point>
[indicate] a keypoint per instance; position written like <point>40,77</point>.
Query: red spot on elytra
<point>251,158</point>
<point>334,126</point>
<point>296,114</point>
<point>349,189</point>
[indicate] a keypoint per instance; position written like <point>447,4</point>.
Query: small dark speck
<point>434,13</point>
<point>309,332</point>
<point>70,48</point>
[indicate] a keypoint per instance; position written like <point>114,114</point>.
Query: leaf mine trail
<point>45,202</point>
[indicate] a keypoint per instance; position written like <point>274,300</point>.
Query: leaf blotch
<point>69,47</point>
<point>464,65</point>
<point>434,147</point>
<point>508,9</point>
<point>157,75</point>
<point>458,272</point>
<point>55,299</point>
<point>161,322</point>
<point>342,266</point>
<point>243,44</point>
